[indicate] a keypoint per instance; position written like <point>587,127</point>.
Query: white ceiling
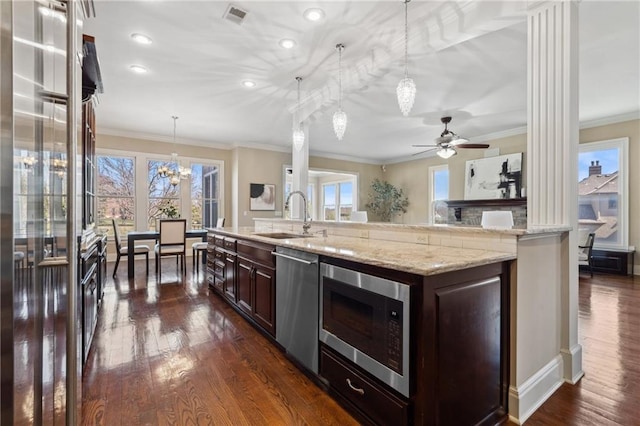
<point>468,59</point>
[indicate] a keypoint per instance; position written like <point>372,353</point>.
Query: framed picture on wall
<point>262,196</point>
<point>493,177</point>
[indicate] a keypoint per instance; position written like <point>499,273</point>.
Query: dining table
<point>133,236</point>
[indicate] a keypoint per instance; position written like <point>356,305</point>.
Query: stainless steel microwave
<point>365,318</point>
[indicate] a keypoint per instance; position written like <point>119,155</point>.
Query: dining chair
<point>201,247</point>
<point>585,249</point>
<point>172,242</point>
<point>124,251</point>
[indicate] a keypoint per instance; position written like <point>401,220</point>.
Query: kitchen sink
<point>281,235</point>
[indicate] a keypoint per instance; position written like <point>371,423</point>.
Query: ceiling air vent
<point>235,14</point>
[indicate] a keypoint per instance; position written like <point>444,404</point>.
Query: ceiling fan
<point>448,141</point>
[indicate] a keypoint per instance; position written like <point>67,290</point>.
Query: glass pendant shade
<point>446,152</point>
<point>339,123</point>
<point>406,89</point>
<point>298,139</point>
<point>339,117</point>
<point>406,92</point>
<point>298,133</point>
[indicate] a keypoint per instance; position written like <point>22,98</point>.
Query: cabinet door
<point>230,277</point>
<point>265,298</point>
<point>244,284</point>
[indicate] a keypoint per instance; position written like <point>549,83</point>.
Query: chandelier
<point>179,171</point>
<point>339,117</point>
<point>406,89</point>
<point>298,133</point>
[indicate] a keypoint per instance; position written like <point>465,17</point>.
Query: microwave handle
<point>306,262</point>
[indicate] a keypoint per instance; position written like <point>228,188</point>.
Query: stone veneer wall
<point>471,216</point>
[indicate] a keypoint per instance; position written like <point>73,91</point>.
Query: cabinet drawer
<point>372,399</point>
<point>230,244</point>
<point>218,240</point>
<point>257,252</point>
<point>218,270</point>
<point>219,256</point>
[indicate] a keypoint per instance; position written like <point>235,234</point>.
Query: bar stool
<point>18,265</point>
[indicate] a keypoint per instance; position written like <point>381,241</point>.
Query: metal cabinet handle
<point>306,262</point>
<point>358,390</point>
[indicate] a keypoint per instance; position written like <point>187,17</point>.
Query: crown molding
<point>614,119</point>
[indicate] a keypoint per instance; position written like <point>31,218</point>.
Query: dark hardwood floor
<point>175,354</point>
<point>609,331</point>
<point>172,353</point>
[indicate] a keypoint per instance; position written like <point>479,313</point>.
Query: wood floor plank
<point>174,354</point>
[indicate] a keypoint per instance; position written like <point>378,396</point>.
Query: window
<point>337,201</point>
<point>116,193</point>
<point>603,185</point>
<point>204,196</point>
<point>164,198</point>
<point>130,190</point>
<point>438,193</point>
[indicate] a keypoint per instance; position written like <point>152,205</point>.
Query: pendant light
<point>183,171</point>
<point>339,117</point>
<point>406,90</point>
<point>298,133</point>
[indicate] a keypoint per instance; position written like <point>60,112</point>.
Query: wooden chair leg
<point>146,256</point>
<point>115,268</point>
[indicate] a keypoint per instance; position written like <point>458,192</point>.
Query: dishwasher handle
<point>297,259</point>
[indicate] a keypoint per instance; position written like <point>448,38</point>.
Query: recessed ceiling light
<point>287,43</point>
<point>313,14</point>
<point>139,69</point>
<point>249,83</point>
<point>141,38</point>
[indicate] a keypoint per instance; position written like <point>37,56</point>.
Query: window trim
<point>141,186</point>
<point>622,144</point>
<point>336,183</point>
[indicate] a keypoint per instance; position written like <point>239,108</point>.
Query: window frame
<point>99,195</point>
<point>141,187</point>
<point>338,205</point>
<point>622,144</point>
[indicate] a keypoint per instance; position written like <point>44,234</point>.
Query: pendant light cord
<point>299,80</point>
<point>406,38</point>
<point>174,130</point>
<point>340,47</point>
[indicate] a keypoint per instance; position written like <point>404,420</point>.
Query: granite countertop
<point>419,259</point>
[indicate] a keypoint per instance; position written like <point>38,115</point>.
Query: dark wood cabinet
<point>244,284</point>
<point>256,283</point>
<point>618,262</point>
<point>264,287</point>
<point>361,393</point>
<point>229,282</point>
<point>243,272</point>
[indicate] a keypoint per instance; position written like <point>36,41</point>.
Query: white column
<point>552,152</point>
<point>300,165</point>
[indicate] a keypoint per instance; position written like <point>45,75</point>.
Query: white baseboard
<point>572,366</point>
<point>528,397</point>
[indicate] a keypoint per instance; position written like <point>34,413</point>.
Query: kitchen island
<point>462,322</point>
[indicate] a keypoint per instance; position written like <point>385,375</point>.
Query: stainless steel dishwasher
<point>297,290</point>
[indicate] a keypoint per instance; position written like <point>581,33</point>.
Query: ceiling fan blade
<point>473,145</point>
<point>421,146</point>
<point>422,152</point>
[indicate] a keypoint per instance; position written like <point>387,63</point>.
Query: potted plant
<point>169,211</point>
<point>386,201</point>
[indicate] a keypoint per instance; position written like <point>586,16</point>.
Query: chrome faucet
<point>306,225</point>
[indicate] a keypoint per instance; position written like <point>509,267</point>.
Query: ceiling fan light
<point>339,123</point>
<point>446,153</point>
<point>406,92</point>
<point>298,139</point>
